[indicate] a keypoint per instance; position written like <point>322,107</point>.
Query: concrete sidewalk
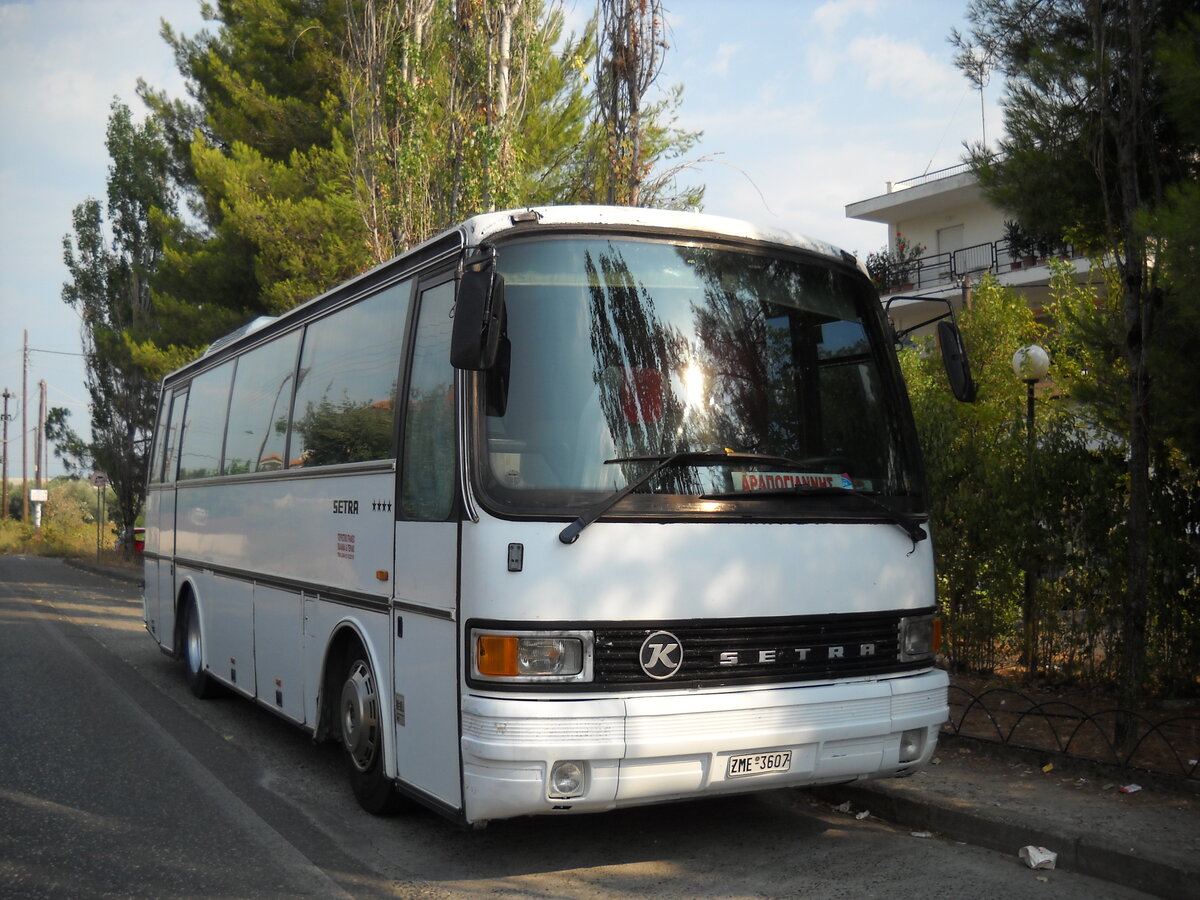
<point>1148,839</point>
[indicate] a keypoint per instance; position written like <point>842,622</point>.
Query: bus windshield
<point>769,370</point>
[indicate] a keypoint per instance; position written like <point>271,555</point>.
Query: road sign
<point>99,480</point>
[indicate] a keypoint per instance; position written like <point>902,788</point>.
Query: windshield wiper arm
<point>570,534</point>
<point>691,458</point>
<point>910,524</point>
<point>714,457</point>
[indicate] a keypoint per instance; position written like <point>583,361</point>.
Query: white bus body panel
<point>426,659</point>
<point>649,746</point>
<point>278,632</point>
<point>692,570</point>
<point>250,549</point>
<point>677,745</point>
<point>334,531</point>
<point>157,568</point>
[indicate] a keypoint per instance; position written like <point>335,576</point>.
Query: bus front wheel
<point>200,682</point>
<point>361,722</point>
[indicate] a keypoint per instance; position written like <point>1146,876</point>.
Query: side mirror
<point>954,358</point>
<point>478,314</point>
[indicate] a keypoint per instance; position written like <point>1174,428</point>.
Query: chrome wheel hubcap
<point>360,716</point>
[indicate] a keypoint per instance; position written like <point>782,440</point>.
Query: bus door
<point>424,610</point>
<point>160,539</point>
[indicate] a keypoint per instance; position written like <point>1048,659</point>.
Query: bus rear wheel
<point>201,683</point>
<point>361,723</point>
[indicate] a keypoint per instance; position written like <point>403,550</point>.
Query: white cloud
<point>904,69</point>
<point>722,58</point>
<point>823,61</point>
<point>832,15</point>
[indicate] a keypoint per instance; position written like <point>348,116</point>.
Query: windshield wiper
<point>666,461</point>
<point>570,534</point>
<point>910,524</point>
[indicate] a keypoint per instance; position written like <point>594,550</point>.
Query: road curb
<point>132,576</point>
<point>1078,850</point>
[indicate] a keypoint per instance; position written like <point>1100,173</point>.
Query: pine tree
<point>1093,149</point>
<point>110,289</point>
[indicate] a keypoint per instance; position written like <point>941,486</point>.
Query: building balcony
<point>927,194</point>
<point>947,270</point>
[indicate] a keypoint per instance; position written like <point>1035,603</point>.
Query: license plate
<point>759,763</point>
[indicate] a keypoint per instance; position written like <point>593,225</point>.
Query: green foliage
<point>326,137</point>
<point>1066,516</point>
<point>1088,135</point>
<point>1175,223</point>
<point>252,153</point>
<point>975,460</point>
<point>299,214</point>
<point>891,269</point>
<point>109,287</point>
<point>69,447</point>
<point>1102,143</point>
<point>68,523</point>
<point>1091,371</point>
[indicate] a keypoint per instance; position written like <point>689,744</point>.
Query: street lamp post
<point>1030,363</point>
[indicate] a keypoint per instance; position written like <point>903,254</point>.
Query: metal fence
<point>1165,744</point>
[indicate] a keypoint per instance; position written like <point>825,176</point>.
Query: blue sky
<point>805,107</point>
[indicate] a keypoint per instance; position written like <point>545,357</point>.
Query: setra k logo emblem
<point>661,655</point>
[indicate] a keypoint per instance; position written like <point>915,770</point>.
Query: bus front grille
<point>741,651</point>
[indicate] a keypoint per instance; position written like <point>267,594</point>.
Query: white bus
<point>566,509</point>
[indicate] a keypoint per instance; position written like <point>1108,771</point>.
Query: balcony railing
<point>946,269</point>
<point>948,172</point>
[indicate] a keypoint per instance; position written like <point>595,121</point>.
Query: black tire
<point>360,729</point>
<point>201,683</point>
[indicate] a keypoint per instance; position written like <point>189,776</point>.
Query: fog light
<point>566,780</point>
<point>912,745</point>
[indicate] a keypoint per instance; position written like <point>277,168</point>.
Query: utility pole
<point>4,458</point>
<point>42,428</point>
<point>40,437</point>
<point>37,435</point>
<point>24,428</point>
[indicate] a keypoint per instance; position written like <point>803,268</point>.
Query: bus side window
<point>170,453</point>
<point>258,411</point>
<point>346,386</point>
<point>428,456</point>
<point>155,466</point>
<point>204,429</point>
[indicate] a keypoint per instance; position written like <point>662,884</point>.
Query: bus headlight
<point>531,656</point>
<point>920,637</point>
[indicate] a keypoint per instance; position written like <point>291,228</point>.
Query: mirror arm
<point>954,354</point>
<point>898,336</point>
<point>484,253</point>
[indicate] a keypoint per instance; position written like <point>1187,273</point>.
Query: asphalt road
<point>115,781</point>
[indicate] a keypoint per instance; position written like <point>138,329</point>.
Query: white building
<point>964,236</point>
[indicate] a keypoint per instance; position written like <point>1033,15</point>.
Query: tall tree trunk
<point>1132,149</point>
<point>629,60</point>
